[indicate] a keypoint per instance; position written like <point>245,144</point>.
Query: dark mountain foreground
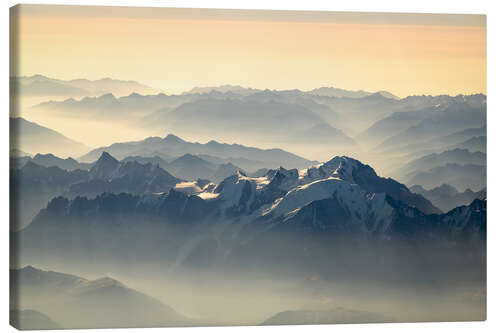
<point>350,224</point>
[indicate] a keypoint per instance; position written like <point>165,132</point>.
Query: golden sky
<point>177,49</point>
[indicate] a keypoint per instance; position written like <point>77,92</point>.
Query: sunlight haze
<point>178,49</point>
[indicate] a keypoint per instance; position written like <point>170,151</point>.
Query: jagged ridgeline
<point>240,167</point>
<point>311,242</point>
<point>338,219</point>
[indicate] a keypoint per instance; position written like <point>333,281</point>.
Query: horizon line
<point>167,93</point>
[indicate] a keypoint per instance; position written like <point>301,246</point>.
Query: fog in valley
<point>206,177</point>
<point>221,234</point>
<point>216,296</point>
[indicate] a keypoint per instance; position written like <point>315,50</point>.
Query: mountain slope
<point>33,138</point>
<point>319,134</point>
<point>392,125</point>
<point>76,302</point>
<point>31,188</point>
<point>328,225</point>
<point>243,119</point>
<point>191,167</point>
<point>31,320</point>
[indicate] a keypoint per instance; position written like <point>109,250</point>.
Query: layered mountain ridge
<point>340,199</point>
<point>172,145</point>
<point>34,185</point>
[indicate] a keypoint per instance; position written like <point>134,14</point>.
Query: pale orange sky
<point>177,49</point>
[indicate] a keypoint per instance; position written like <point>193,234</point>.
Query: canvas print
<point>209,167</point>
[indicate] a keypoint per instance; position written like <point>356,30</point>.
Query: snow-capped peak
<point>343,167</point>
<point>340,167</point>
<point>368,210</point>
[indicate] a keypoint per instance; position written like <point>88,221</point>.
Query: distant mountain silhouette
<point>39,85</point>
<point>476,143</point>
<point>222,89</point>
<point>446,197</point>
<point>455,156</point>
<point>49,160</point>
<point>172,145</point>
<point>76,302</point>
<point>461,176</point>
<point>332,315</point>
<point>191,167</point>
<point>392,125</point>
<point>448,120</point>
<point>248,118</point>
<point>436,145</point>
<point>33,138</point>
<point>337,92</point>
<point>162,161</point>
<point>319,134</point>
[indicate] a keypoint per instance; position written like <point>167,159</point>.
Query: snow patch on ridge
<point>368,209</point>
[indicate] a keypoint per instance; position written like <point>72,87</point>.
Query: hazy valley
<point>234,205</point>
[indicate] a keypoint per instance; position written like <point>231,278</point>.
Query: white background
<point>491,8</point>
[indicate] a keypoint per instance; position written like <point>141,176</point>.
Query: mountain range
<point>189,167</point>
<point>246,118</point>
<point>317,122</point>
<point>169,211</point>
<point>462,176</point>
<point>49,160</point>
<point>221,89</point>
<point>446,120</point>
<point>446,197</point>
<point>322,91</point>
<point>34,181</point>
<point>337,92</point>
<point>340,207</point>
<point>40,85</point>
<point>172,145</point>
<point>34,185</point>
<point>431,161</point>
